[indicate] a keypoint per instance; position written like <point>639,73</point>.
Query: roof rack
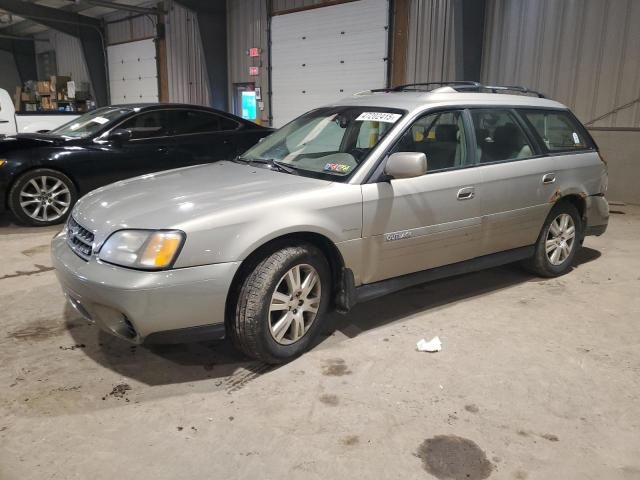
<point>461,86</point>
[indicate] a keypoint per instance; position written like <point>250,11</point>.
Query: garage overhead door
<point>133,72</point>
<point>325,54</point>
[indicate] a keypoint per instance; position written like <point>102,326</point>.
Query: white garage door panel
<point>343,52</point>
<point>133,72</point>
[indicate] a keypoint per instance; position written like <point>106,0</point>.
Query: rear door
<point>414,224</point>
<point>200,136</point>
<point>515,190</point>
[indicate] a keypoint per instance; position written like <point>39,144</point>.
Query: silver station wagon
<point>348,202</point>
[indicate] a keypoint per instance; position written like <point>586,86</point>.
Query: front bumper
<point>597,213</point>
<point>140,306</point>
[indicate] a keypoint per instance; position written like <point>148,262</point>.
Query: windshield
<point>328,143</point>
<point>90,123</point>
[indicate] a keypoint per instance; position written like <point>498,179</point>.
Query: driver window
<point>146,125</point>
<point>441,137</point>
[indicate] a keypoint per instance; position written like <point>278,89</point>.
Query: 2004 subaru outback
<point>373,194</point>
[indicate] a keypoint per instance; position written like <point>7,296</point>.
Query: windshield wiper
<point>275,164</point>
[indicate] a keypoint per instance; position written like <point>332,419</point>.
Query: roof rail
<point>460,85</point>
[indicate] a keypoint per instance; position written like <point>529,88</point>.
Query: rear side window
<point>499,136</point>
<point>558,130</point>
<point>196,121</point>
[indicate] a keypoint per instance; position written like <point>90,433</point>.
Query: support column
<point>24,55</point>
<point>469,38</point>
<point>212,23</point>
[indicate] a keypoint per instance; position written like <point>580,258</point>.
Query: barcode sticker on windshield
<point>378,117</point>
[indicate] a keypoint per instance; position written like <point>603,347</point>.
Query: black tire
<point>23,186</point>
<point>540,263</point>
<point>250,324</point>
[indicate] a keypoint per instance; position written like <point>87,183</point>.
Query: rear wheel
<point>558,242</point>
<point>281,304</point>
<point>42,197</point>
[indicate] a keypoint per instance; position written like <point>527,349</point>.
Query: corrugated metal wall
<point>431,47</point>
<point>188,81</point>
<point>246,28</point>
<point>584,53</point>
<point>69,56</point>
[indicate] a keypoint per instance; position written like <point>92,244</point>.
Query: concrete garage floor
<point>538,379</point>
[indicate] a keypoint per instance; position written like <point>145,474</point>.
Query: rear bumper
<point>171,306</point>
<point>597,214</point>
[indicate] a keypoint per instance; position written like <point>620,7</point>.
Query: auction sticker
<point>337,167</point>
<point>378,117</point>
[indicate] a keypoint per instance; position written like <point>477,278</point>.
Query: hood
<point>29,140</point>
<point>179,198</point>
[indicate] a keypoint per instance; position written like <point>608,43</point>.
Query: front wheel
<point>281,304</point>
<point>42,197</point>
<point>558,242</point>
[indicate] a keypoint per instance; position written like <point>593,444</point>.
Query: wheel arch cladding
<point>324,244</point>
<point>578,200</point>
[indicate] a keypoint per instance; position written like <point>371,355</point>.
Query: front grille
<point>79,239</point>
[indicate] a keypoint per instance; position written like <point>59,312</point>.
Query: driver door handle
<point>549,178</point>
<point>466,193</point>
<point>163,149</point>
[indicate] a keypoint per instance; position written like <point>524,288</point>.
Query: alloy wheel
<point>294,304</point>
<point>45,198</point>
<point>560,239</point>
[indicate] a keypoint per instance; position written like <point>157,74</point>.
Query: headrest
<point>446,133</point>
<point>507,134</point>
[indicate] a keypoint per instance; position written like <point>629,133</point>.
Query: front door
<point>414,224</point>
<point>150,149</point>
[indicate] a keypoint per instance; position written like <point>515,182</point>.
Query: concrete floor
<point>537,379</point>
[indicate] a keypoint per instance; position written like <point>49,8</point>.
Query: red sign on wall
<point>254,52</point>
<point>254,71</point>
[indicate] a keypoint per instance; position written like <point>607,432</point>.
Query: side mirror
<point>119,136</point>
<point>406,165</point>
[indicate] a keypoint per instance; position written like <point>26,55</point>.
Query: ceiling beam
<point>121,6</point>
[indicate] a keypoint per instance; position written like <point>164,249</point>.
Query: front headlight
<point>145,249</point>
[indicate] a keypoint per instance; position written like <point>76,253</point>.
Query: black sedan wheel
<point>42,197</point>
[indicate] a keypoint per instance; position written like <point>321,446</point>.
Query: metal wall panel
<point>322,55</point>
<point>188,81</point>
<point>247,25</point>
<point>69,56</point>
<point>284,5</point>
<point>583,53</point>
<point>431,47</point>
<point>129,30</point>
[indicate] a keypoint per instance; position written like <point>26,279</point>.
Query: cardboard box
<point>28,96</point>
<point>44,86</point>
<point>58,82</point>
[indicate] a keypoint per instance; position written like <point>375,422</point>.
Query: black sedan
<point>42,175</point>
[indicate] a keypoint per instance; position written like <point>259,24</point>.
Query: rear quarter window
<point>558,131</point>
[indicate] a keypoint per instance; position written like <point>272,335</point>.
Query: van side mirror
<point>406,165</point>
<point>119,136</point>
